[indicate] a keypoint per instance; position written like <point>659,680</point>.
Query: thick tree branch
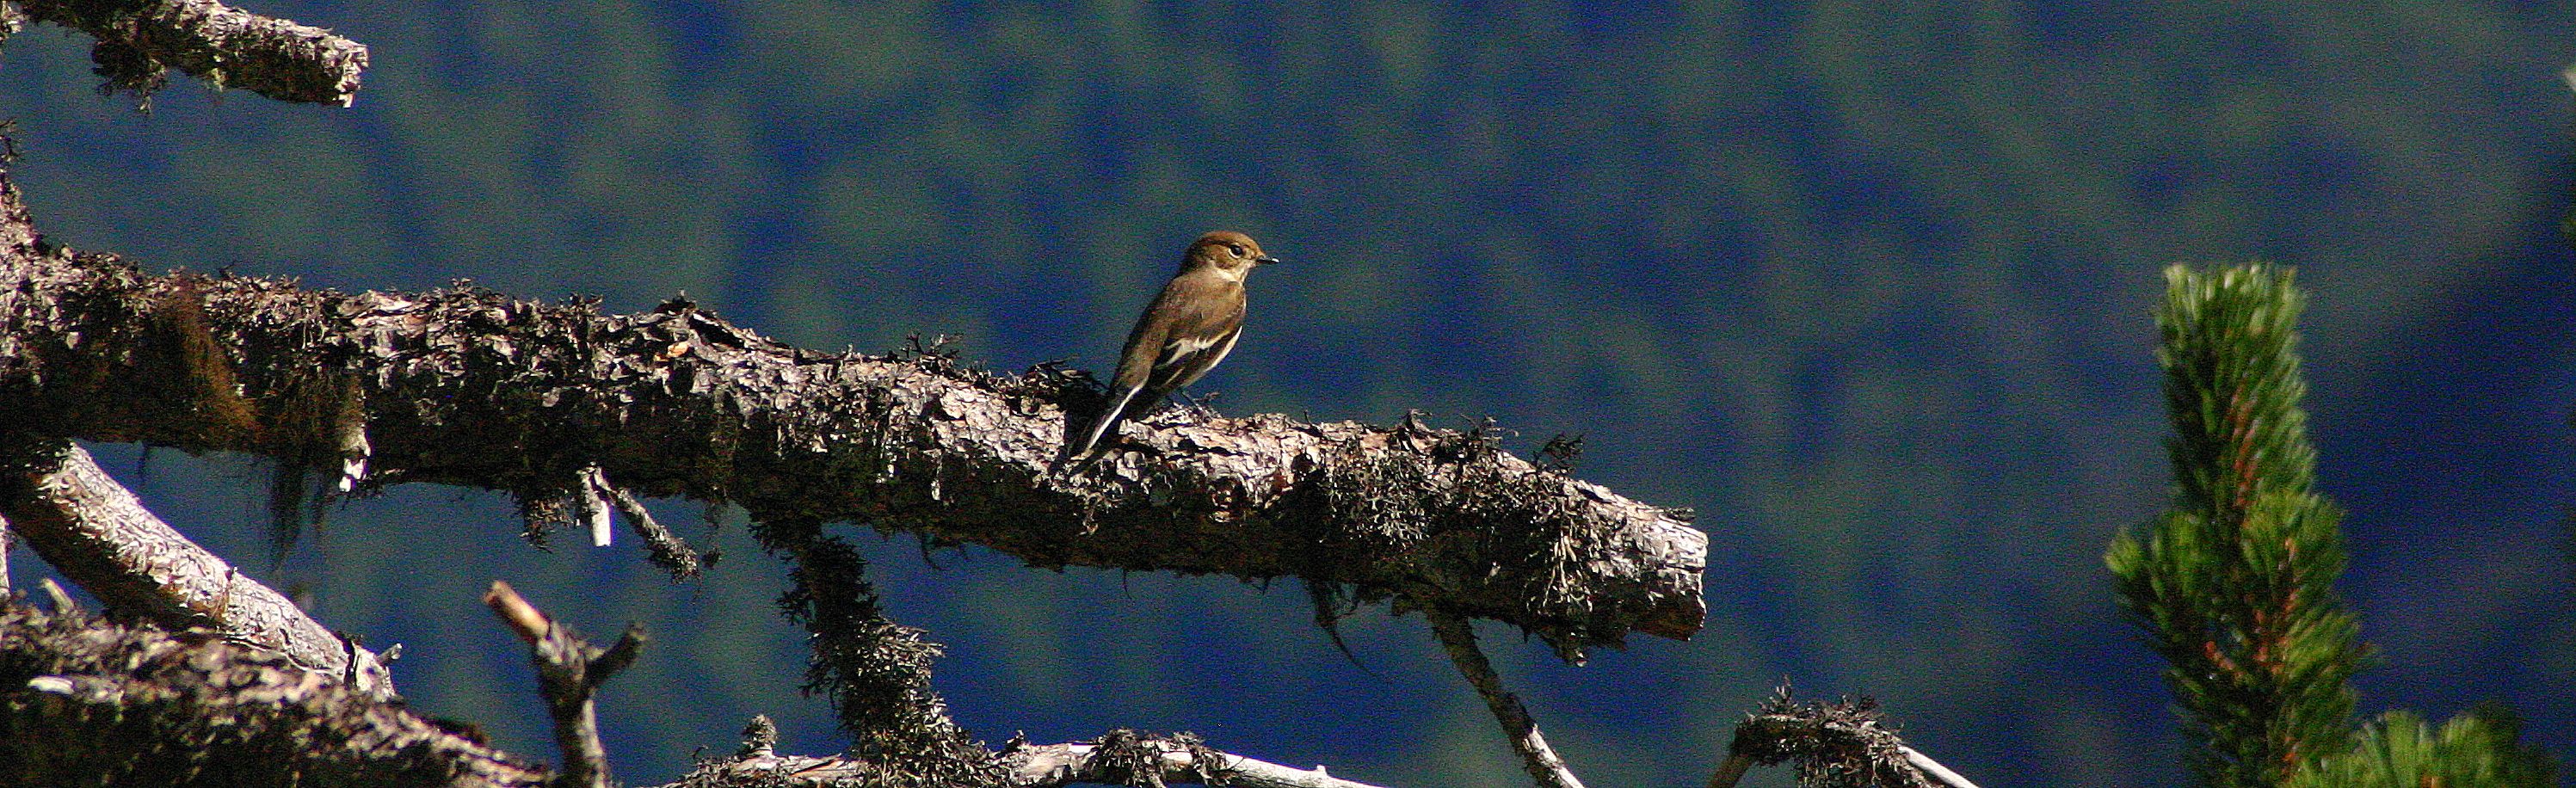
<point>82,699</point>
<point>465,386</point>
<point>1129,758</point>
<point>140,40</point>
<point>1121,757</point>
<point>95,532</point>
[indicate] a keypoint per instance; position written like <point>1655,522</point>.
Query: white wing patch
<point>1181,350</point>
<point>1213,355</point>
<point>1226,348</point>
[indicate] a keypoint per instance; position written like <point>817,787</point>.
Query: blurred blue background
<point>1866,284</point>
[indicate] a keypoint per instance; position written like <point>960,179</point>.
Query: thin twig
<point>569,672</point>
<point>1537,758</point>
<point>55,595</point>
<point>523,619</point>
<point>666,549</point>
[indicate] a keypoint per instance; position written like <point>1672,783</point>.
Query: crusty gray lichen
<point>466,386</point>
<point>876,672</point>
<point>82,698</point>
<point>139,41</point>
<point>1844,744</point>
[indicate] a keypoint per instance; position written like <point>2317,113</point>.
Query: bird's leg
<point>1199,405</point>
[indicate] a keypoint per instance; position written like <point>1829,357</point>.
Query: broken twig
<point>569,672</point>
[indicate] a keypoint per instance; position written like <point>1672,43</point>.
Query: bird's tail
<point>1108,421</point>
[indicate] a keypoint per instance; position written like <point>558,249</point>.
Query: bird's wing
<point>1190,327</point>
<point>1188,360</point>
<point>1136,361</point>
<point>1194,314</point>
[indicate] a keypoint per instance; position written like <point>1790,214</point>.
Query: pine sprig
<point>2401,750</point>
<point>2235,585</point>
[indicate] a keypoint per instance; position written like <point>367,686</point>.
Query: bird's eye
<point>1238,249</point>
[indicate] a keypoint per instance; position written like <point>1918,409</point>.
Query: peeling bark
<point>1120,757</point>
<point>468,387</point>
<point>87,702</point>
<point>140,40</point>
<point>97,534</point>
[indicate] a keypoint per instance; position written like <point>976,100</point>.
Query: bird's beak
<point>1266,260</point>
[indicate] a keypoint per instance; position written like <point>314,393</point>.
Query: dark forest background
<point>1866,284</point>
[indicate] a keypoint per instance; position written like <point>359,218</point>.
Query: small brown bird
<point>1186,331</point>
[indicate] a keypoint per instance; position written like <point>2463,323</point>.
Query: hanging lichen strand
<point>2235,585</point>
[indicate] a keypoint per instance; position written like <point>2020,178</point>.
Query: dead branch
<point>1934,771</point>
<point>875,672</point>
<point>84,700</point>
<point>1834,745</point>
<point>1118,757</point>
<point>1458,638</point>
<point>666,550</point>
<point>469,387</point>
<point>569,673</point>
<point>596,496</point>
<point>94,531</point>
<point>140,40</point>
<point>60,599</point>
<point>1130,758</point>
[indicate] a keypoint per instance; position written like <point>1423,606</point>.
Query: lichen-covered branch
<point>140,40</point>
<point>875,672</point>
<point>94,531</point>
<point>665,549</point>
<point>1120,757</point>
<point>1125,757</point>
<point>469,387</point>
<point>1834,745</point>
<point>82,700</point>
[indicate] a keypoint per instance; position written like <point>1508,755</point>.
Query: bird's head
<point>1227,252</point>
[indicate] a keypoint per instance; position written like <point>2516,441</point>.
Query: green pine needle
<point>2400,750</point>
<point>2235,585</point>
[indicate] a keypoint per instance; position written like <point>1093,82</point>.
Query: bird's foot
<point>1198,406</point>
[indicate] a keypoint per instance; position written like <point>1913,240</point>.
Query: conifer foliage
<point>2235,584</point>
<point>2402,750</point>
